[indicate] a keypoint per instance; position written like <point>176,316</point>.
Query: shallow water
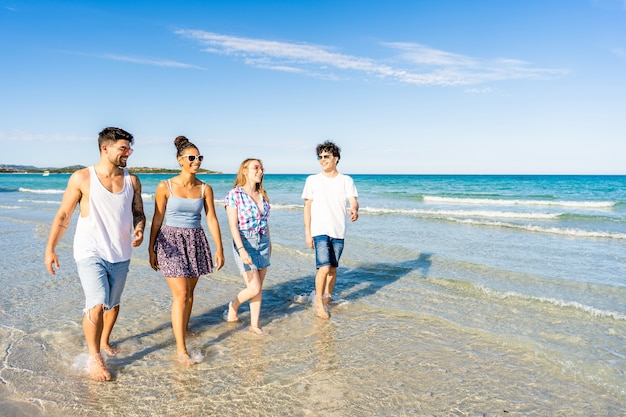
<point>441,309</point>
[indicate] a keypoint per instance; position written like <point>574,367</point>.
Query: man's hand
<point>138,235</point>
<point>51,261</point>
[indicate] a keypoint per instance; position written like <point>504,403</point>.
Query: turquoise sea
<point>457,296</point>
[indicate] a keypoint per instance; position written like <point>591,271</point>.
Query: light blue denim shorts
<point>258,247</point>
<point>103,282</point>
<point>327,251</point>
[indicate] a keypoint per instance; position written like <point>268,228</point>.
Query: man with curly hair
<point>325,195</point>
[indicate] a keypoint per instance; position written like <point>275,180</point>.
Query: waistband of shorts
<point>253,232</point>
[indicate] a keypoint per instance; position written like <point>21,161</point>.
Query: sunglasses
<point>255,168</point>
<point>193,157</point>
<point>320,157</point>
<point>124,149</point>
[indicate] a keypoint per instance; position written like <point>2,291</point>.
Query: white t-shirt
<point>328,203</point>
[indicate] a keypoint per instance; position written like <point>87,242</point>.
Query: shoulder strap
<point>169,187</point>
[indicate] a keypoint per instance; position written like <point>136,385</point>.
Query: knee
<point>97,309</point>
<point>323,270</point>
<point>181,295</point>
<point>255,289</point>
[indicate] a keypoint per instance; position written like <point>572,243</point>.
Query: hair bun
<point>180,141</point>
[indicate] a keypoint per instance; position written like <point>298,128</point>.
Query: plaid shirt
<point>249,216</point>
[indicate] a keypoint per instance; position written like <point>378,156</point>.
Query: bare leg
<point>253,293</point>
<point>93,321</point>
<point>110,317</point>
<point>232,311</point>
<point>180,300</point>
<point>331,278</point>
<point>255,302</point>
<point>192,286</point>
<point>320,286</point>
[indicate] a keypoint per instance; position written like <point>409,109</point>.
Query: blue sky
<point>407,86</point>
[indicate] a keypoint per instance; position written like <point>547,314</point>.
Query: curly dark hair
<point>329,146</point>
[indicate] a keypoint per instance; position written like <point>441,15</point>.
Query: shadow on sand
<point>278,300</point>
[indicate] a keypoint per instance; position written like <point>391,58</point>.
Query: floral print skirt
<point>183,252</point>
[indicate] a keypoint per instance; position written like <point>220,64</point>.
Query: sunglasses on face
<point>123,149</point>
<point>320,157</point>
<point>193,157</point>
<point>256,168</point>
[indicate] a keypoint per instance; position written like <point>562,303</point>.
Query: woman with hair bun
<point>178,245</point>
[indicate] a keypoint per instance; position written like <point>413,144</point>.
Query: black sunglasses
<point>193,157</point>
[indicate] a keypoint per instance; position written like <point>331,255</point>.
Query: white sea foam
<point>32,191</point>
<point>196,355</point>
<point>463,213</point>
<point>503,202</point>
<point>81,363</point>
<point>304,299</point>
<point>594,312</point>
<point>541,229</point>
<point>286,206</point>
<point>23,200</point>
<point>10,207</point>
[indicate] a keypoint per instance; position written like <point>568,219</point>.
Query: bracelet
<point>240,247</point>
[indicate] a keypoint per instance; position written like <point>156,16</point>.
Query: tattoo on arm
<point>139,218</point>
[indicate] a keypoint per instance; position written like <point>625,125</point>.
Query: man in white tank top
<point>111,222</point>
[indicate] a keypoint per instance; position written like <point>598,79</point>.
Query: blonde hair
<point>241,179</point>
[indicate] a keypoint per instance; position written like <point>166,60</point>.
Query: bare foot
<point>185,359</point>
<point>110,350</point>
<point>232,314</point>
<point>321,312</point>
<point>97,369</point>
<point>257,330</point>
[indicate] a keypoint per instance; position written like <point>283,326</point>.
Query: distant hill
<point>29,169</point>
<point>33,169</point>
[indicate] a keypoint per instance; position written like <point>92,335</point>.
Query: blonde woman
<point>179,248</point>
<point>248,209</point>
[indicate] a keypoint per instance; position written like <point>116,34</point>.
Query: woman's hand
<point>245,257</point>
<point>154,263</point>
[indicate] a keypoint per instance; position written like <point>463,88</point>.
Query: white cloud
<point>149,61</point>
<point>464,70</point>
<point>422,65</point>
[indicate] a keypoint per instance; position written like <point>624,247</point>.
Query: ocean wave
<point>48,191</point>
<point>542,229</point>
<point>10,207</point>
<point>463,213</point>
<point>286,206</point>
<point>8,190</point>
<point>590,217</point>
<point>21,200</point>
<point>504,202</point>
<point>594,312</point>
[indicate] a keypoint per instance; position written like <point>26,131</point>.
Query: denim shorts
<point>258,247</point>
<point>327,251</point>
<point>103,282</point>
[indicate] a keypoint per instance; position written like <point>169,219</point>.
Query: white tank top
<point>106,231</point>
